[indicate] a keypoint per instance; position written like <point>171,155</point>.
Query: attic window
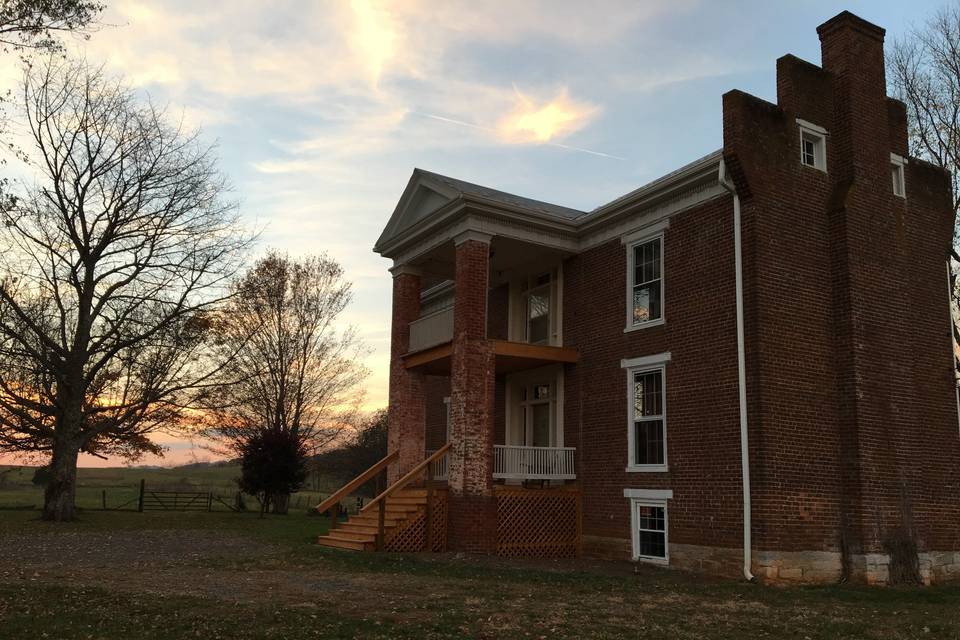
<point>897,175</point>
<point>813,145</point>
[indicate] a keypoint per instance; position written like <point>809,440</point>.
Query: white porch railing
<point>533,463</point>
<point>431,330</point>
<point>439,466</point>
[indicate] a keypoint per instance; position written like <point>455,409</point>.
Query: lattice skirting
<point>541,523</point>
<point>411,535</point>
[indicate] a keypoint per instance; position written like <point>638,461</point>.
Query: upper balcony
<point>431,329</point>
<point>526,335</point>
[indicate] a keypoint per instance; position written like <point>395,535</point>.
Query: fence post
<point>103,499</point>
<point>140,500</point>
<point>209,501</point>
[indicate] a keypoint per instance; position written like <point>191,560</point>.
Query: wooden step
<point>360,527</point>
<point>410,493</point>
<point>341,543</point>
<point>342,533</point>
<point>407,500</point>
<point>372,520</point>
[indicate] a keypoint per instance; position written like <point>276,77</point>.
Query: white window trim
<point>649,498</point>
<point>901,162</point>
<point>631,366</point>
<point>630,241</point>
<point>820,150</point>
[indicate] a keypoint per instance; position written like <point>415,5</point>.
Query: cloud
<point>529,121</point>
<point>374,37</point>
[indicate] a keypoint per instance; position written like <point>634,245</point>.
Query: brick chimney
<point>852,52</point>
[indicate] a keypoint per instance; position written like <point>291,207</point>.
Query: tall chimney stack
<point>852,52</point>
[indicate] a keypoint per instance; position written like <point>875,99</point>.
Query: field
<point>158,575</point>
<point>119,487</point>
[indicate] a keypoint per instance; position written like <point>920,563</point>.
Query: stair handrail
<point>354,484</point>
<point>406,479</point>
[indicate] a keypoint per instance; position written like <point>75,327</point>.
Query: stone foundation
<point>804,567</point>
<point>784,567</point>
<point>936,567</point>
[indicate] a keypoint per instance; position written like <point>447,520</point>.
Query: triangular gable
<point>420,198</point>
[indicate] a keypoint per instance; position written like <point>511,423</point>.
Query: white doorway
<point>534,401</point>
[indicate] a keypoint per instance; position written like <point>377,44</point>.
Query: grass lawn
<point>224,575</point>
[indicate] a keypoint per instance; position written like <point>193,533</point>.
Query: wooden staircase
<point>371,529</point>
<point>359,532</point>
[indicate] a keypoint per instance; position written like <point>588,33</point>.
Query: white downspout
<point>953,341</point>
<point>741,374</point>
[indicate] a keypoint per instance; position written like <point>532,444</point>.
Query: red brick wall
<point>852,418</point>
<point>497,312</point>
<point>472,380</point>
<point>436,388</point>
<point>701,381</point>
<point>405,418</point>
<point>852,414</point>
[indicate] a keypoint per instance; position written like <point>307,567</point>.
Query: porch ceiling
<point>509,357</point>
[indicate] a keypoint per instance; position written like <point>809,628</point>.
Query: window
<point>538,310</point>
<point>648,519</point>
<point>645,295</point>
<point>651,531</point>
<point>897,175</point>
<point>536,409</point>
<point>813,145</point>
<point>647,417</point>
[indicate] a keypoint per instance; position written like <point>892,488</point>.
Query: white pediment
<point>421,198</point>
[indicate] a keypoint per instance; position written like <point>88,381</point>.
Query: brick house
<point>744,366</point>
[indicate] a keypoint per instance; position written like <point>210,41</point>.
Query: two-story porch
<point>477,356</point>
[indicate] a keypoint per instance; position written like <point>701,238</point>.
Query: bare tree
<point>298,372</point>
<point>924,72</point>
<point>38,24</point>
<point>110,266</point>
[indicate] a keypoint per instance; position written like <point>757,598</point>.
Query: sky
<point>321,110</point>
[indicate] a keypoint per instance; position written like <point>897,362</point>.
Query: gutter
<point>725,181</point>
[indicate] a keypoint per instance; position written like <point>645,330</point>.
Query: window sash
<point>896,173</point>
<point>650,530</point>
<point>646,277</point>
<point>648,423</point>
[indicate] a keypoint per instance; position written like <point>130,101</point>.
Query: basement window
<point>648,520</point>
<point>813,145</point>
<point>897,175</point>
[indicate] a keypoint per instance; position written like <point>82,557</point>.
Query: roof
<point>431,199</point>
<point>468,188</point>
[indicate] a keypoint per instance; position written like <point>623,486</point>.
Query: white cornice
<point>685,188</point>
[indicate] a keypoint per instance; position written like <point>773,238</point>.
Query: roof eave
<point>702,171</point>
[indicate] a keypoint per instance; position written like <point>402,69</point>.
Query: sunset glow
<point>532,122</point>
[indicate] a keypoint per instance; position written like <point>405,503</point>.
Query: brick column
<point>472,507</point>
<point>406,413</point>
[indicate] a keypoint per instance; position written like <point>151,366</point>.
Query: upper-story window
<point>897,175</point>
<point>645,283</point>
<point>813,145</point>
<point>646,413</point>
<point>537,303</point>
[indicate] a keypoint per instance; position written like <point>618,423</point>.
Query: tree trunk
<point>60,495</point>
<point>281,503</point>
